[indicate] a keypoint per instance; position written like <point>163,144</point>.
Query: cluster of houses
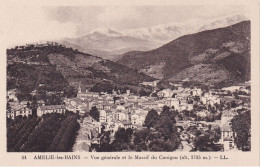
<point>124,105</point>
<point>129,111</point>
<point>23,108</point>
<point>16,108</point>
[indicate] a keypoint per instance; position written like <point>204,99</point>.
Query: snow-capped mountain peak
<point>167,32</point>
<point>109,32</point>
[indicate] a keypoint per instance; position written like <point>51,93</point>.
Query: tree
<point>102,86</point>
<point>186,84</point>
<point>142,92</point>
<point>8,107</point>
<point>154,94</point>
<point>204,87</point>
<point>241,126</point>
<point>151,118</point>
<point>28,104</point>
<point>233,104</point>
<point>236,95</point>
<point>140,138</point>
<point>215,133</point>
<point>115,98</point>
<point>122,140</point>
<point>34,102</point>
<point>197,98</point>
<point>165,125</point>
<point>129,132</point>
<point>70,91</point>
<point>166,128</point>
<point>205,143</point>
<point>165,108</point>
<point>94,113</point>
<point>105,145</point>
<point>160,145</point>
<point>229,93</point>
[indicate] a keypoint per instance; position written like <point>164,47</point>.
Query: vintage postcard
<point>130,83</point>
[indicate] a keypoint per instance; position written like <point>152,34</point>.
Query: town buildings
<point>128,110</point>
<point>19,111</point>
<point>16,108</point>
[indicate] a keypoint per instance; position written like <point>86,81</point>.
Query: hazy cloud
<point>30,23</point>
<point>131,17</point>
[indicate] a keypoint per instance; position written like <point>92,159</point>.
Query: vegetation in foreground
<point>50,133</point>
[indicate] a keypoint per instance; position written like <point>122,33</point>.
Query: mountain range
<point>212,56</point>
<point>108,43</point>
<point>218,56</point>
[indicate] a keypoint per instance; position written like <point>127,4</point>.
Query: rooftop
<point>52,107</point>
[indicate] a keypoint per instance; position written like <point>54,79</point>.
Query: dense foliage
<point>122,140</point>
<point>52,132</point>
<point>19,131</point>
<point>108,87</point>
<point>31,52</point>
<point>94,113</point>
<point>144,92</point>
<point>205,143</point>
<point>103,87</point>
<point>205,140</point>
<point>125,75</point>
<point>27,78</point>
<point>64,139</point>
<point>151,118</point>
<point>241,126</point>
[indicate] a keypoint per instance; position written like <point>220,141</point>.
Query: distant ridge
<point>212,56</point>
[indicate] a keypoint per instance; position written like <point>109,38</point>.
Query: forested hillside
<point>52,67</point>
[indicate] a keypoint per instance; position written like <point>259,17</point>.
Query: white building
<point>50,109</point>
<point>227,135</point>
<point>232,88</point>
<point>165,93</point>
<point>196,92</point>
<point>102,116</point>
<point>23,111</point>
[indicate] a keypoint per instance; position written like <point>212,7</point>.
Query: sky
<point>32,24</point>
<point>132,17</point>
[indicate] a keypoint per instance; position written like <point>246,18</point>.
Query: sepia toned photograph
<point>129,79</point>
